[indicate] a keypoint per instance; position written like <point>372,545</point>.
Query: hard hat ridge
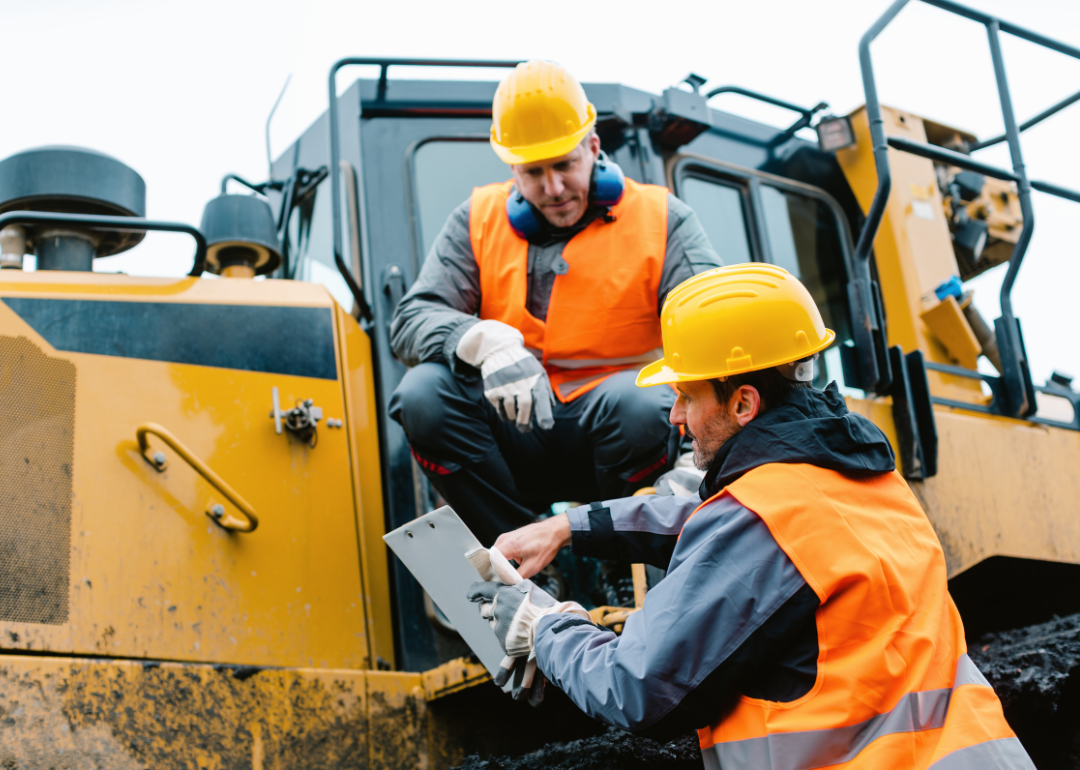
<point>736,319</point>
<point>540,111</point>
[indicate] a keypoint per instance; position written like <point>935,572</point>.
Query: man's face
<point>559,187</point>
<point>709,422</point>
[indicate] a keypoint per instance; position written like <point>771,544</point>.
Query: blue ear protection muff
<point>522,218</point>
<point>608,185</point>
<point>608,182</point>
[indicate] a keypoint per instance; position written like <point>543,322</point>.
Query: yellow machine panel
<point>134,566</point>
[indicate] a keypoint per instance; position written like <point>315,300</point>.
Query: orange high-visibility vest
<point>603,315</point>
<point>895,687</point>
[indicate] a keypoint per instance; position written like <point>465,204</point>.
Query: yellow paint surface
<point>65,712</point>
<point>151,576</point>
<point>1004,487</point>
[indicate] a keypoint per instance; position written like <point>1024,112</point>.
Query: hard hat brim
<point>515,156</point>
<point>659,373</point>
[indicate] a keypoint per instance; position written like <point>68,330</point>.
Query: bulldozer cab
<point>421,146</point>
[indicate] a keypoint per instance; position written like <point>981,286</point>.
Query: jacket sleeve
<point>688,249</point>
<point>634,530</point>
<point>442,304</point>
<point>731,603</point>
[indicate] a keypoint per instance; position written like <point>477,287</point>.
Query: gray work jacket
<point>442,304</point>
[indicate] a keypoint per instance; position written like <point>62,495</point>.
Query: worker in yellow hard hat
<point>535,308</point>
<point>804,620</point>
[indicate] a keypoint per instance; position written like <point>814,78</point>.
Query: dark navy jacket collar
<point>809,426</point>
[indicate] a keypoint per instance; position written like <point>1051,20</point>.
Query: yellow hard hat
<point>540,111</point>
<point>736,319</point>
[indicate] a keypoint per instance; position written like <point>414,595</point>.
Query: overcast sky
<point>181,91</point>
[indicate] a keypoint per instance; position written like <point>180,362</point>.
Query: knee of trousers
<point>422,400</point>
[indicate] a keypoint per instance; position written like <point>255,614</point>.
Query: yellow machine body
<point>154,636</point>
<point>150,574</point>
<point>1004,487</point>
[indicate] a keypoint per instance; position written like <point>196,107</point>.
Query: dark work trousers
<point>605,444</point>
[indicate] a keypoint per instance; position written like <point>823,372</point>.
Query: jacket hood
<point>809,426</point>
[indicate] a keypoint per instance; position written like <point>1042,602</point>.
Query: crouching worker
<point>535,308</point>
<point>804,621</point>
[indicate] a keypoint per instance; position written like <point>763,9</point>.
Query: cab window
<point>444,173</point>
<point>804,240</point>
<point>722,213</point>
<point>754,217</point>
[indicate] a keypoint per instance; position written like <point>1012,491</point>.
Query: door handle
<point>215,511</point>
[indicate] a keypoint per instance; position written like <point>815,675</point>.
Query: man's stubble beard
<point>567,219</point>
<point>719,431</point>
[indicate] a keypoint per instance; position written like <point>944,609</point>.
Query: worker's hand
<point>536,545</point>
<point>514,381</point>
<point>513,612</point>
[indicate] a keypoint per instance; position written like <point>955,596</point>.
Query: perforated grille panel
<point>37,426</point>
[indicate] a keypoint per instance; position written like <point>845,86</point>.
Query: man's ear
<point>745,404</point>
<point>594,145</point>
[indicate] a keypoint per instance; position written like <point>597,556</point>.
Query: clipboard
<point>433,548</point>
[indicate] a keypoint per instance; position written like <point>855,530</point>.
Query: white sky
<point>181,91</point>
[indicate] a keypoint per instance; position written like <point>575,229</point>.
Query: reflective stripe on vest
<point>811,749</point>
<point>603,315</point>
<point>895,687</point>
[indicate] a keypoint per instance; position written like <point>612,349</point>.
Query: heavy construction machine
<point>196,472</point>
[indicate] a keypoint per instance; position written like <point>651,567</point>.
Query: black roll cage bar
<point>355,288</point>
<point>806,115</point>
<point>1017,389</point>
<point>112,224</point>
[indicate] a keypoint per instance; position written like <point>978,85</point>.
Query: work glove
<point>513,617</point>
<point>513,612</point>
<point>514,381</point>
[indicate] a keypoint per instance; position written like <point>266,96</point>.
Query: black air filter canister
<point>72,180</point>
<point>240,232</point>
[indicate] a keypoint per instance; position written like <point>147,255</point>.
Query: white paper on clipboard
<point>433,548</point>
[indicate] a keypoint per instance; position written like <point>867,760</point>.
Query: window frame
<point>690,165</point>
<point>755,243</point>
<point>412,184</point>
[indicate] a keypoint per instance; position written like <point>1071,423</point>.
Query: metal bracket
<point>913,414</point>
<point>301,421</point>
<point>393,285</point>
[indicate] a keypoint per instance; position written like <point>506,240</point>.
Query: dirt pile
<point>1036,673</point>
<point>614,750</point>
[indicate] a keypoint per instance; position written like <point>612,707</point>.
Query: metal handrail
<point>1019,390</point>
<point>335,152</point>
<point>216,512</point>
<point>949,157</point>
<point>996,396</point>
<point>807,115</point>
<point>114,223</point>
<point>1050,111</point>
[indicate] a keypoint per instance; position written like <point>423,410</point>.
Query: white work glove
<point>513,607</point>
<point>683,480</point>
<point>514,381</point>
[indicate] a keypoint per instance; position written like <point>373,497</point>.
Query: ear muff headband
<point>608,186</point>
